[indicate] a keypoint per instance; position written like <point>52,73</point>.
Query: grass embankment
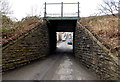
<point>12,29</point>
<point>105,28</point>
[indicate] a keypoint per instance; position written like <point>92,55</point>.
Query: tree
<point>5,7</point>
<point>6,21</point>
<point>109,7</point>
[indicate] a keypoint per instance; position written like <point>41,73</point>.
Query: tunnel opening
<point>67,28</point>
<point>64,43</point>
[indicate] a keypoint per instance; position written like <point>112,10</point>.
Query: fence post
<point>78,10</point>
<point>45,10</point>
<point>61,9</point>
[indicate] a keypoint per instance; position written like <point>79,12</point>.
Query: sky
<point>23,8</point>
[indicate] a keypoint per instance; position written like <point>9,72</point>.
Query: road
<point>59,66</point>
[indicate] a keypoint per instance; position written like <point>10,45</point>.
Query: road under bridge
<point>41,59</point>
<point>59,66</point>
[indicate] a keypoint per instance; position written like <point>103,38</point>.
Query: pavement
<point>61,65</point>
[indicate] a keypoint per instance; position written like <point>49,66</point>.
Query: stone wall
<point>28,47</point>
<point>91,53</point>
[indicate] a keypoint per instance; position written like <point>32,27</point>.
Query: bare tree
<point>109,7</point>
<point>5,7</point>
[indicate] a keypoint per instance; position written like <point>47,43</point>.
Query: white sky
<point>22,8</point>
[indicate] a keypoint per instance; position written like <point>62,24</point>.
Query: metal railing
<point>62,8</point>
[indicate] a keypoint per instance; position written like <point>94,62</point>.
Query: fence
<point>61,13</point>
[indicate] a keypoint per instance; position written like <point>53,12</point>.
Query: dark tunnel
<point>59,26</point>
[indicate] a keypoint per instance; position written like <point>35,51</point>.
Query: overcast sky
<point>22,8</point>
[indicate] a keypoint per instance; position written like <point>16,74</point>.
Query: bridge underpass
<point>60,64</point>
<point>60,25</point>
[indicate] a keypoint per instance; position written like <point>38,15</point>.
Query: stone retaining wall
<point>91,53</point>
<point>30,46</point>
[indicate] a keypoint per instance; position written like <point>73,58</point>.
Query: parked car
<point>70,42</point>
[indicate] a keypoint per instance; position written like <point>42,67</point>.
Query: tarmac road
<point>59,66</point>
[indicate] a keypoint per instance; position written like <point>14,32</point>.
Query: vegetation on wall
<point>105,28</point>
<point>13,29</point>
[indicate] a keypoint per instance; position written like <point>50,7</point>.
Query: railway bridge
<point>35,56</point>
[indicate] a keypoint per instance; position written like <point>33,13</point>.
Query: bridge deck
<point>62,18</point>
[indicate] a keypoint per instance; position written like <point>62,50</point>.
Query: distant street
<point>59,66</point>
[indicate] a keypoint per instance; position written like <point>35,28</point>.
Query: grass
<point>6,30</point>
<point>104,27</point>
<point>10,32</point>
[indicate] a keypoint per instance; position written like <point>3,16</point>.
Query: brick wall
<point>92,54</point>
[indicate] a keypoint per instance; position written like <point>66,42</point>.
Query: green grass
<point>6,30</point>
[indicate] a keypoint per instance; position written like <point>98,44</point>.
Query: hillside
<point>105,28</point>
<point>13,29</point>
